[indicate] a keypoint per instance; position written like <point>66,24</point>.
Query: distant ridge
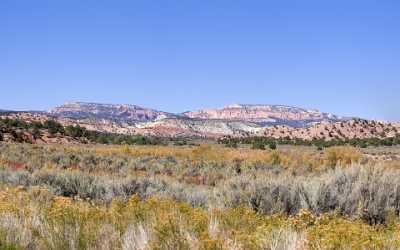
<point>256,113</point>
<point>266,114</point>
<point>118,112</point>
<point>234,119</point>
<point>237,120</point>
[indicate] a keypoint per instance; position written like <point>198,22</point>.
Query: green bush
<point>272,145</point>
<point>53,127</point>
<point>258,145</point>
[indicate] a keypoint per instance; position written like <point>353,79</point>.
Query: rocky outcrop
<point>355,128</point>
<point>265,115</point>
<point>233,120</point>
<point>24,135</point>
<point>201,127</point>
<point>117,112</point>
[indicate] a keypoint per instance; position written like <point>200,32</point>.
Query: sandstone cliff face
<point>233,120</point>
<point>203,127</point>
<point>265,114</point>
<point>118,112</point>
<point>260,114</point>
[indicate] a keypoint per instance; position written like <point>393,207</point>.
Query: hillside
<point>355,128</point>
<point>261,114</point>
<point>117,112</point>
<point>275,121</point>
<point>35,132</point>
<point>265,114</point>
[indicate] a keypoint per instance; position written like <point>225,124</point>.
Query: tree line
<point>257,142</point>
<point>263,142</point>
<point>75,131</point>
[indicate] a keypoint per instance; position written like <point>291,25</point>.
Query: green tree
<point>272,145</point>
<point>36,133</point>
<point>74,131</point>
<point>258,145</point>
<point>53,127</point>
<point>362,144</point>
<point>231,144</point>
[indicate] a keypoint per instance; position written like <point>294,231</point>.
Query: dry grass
<point>216,153</point>
<point>342,156</point>
<point>206,197</point>
<point>36,219</point>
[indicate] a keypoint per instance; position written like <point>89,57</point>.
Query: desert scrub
<point>140,160</point>
<point>268,182</point>
<point>65,223</point>
<point>342,156</point>
<point>353,234</point>
<point>46,221</point>
<point>367,193</point>
<point>145,160</point>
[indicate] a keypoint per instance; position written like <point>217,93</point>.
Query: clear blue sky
<point>340,56</point>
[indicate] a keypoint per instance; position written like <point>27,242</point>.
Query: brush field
<point>198,197</point>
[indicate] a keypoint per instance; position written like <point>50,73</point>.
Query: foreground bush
<point>206,197</point>
<point>342,156</point>
<point>364,193</point>
<point>36,219</point>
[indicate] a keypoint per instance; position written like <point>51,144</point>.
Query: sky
<point>338,56</point>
